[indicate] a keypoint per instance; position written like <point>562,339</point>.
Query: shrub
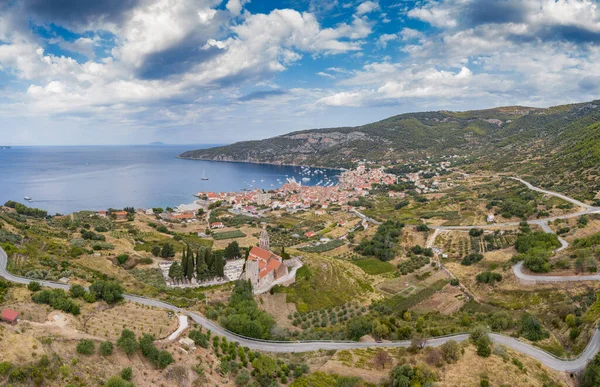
<point>117,381</point>
<point>4,368</point>
<point>488,277</point>
<point>109,291</point>
<point>77,291</point>
<point>127,342</point>
<point>122,258</point>
<point>470,259</point>
<point>450,351</point>
<point>531,328</point>
<point>105,348</point>
<point>127,373</point>
<point>86,347</point>
<point>34,286</point>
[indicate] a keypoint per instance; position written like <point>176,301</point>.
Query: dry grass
<point>468,371</point>
<point>447,301</point>
<point>277,306</point>
<point>248,240</point>
<point>140,319</point>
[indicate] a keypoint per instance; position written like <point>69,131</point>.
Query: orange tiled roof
<point>257,252</point>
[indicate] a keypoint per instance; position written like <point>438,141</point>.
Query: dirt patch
<point>277,306</point>
<point>447,301</point>
<point>30,311</point>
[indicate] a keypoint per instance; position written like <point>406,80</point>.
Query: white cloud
<point>326,75</point>
<point>367,7</point>
<point>235,6</point>
<point>342,99</point>
<point>383,40</point>
<point>410,34</point>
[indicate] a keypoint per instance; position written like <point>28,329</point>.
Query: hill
<point>516,138</point>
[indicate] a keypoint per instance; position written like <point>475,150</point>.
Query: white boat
<point>204,175</point>
<point>306,179</point>
<point>27,198</point>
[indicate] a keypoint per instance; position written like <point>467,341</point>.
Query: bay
<point>72,178</point>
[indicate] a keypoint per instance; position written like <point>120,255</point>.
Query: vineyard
<point>457,244</point>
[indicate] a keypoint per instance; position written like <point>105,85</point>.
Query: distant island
<point>157,143</point>
<point>4,147</point>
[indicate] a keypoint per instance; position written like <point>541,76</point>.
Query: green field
<point>228,235</point>
<point>323,247</point>
<point>374,266</point>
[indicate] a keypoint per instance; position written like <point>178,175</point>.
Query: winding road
<point>307,346</point>
<point>545,358</point>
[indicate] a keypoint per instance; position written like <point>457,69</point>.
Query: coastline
<point>261,163</point>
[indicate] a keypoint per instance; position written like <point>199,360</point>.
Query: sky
<point>78,72</point>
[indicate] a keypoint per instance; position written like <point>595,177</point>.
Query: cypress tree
<point>220,266</point>
<point>184,261</point>
<point>209,259</point>
<point>201,265</point>
<point>190,265</point>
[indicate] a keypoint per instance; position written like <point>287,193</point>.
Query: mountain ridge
<point>510,138</point>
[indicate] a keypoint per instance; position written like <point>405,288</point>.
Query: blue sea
<point>72,178</point>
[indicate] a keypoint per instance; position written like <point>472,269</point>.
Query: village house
<point>181,215</point>
<point>102,214</point>
<point>217,225</point>
<point>120,215</point>
<point>264,267</point>
<point>310,234</point>
<point>10,316</point>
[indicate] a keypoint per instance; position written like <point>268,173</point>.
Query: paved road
<point>518,270</point>
<point>543,222</point>
<point>308,346</point>
<point>365,217</point>
<point>559,195</point>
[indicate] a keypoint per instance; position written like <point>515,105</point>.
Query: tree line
<point>202,263</point>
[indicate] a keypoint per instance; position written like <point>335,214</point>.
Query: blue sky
<point>220,71</point>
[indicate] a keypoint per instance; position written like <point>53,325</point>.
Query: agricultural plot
<point>140,319</point>
<point>457,244</point>
<point>323,247</point>
<point>399,302</point>
<point>374,266</point>
<point>228,235</point>
<point>325,282</point>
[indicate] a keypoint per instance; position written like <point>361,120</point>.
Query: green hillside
<point>557,147</point>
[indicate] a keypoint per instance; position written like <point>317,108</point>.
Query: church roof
<point>258,253</point>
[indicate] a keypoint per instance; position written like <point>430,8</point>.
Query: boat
<point>204,175</point>
<point>262,180</point>
<point>27,198</point>
<point>306,179</point>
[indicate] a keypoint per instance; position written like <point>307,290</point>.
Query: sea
<point>66,179</point>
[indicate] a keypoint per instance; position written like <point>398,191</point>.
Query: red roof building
<point>10,316</point>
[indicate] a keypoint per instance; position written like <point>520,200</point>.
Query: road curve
<point>518,270</point>
<point>308,346</point>
<point>543,222</point>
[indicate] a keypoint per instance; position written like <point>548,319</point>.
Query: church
<point>264,267</point>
